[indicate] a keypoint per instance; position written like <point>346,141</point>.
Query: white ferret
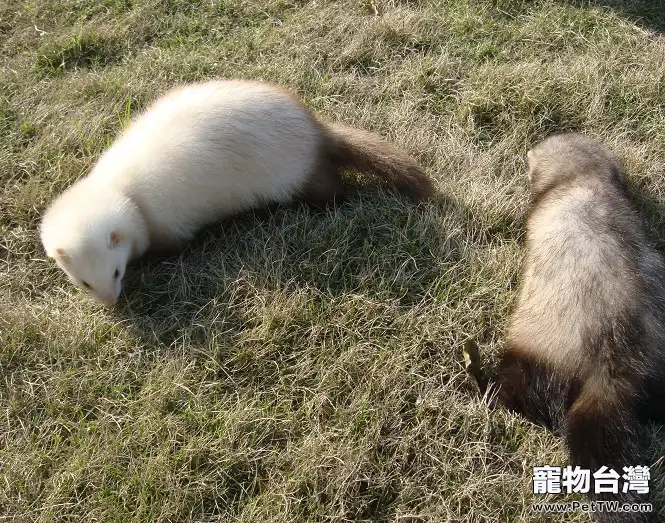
<point>200,153</point>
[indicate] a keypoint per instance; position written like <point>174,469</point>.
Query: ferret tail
<point>602,429</point>
<point>369,153</point>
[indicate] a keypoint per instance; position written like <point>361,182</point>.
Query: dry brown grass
<point>294,365</point>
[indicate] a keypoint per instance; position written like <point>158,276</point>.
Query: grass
<point>292,365</point>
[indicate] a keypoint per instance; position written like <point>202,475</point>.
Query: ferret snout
<point>108,300</point>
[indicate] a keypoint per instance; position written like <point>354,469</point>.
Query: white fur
<point>200,153</point>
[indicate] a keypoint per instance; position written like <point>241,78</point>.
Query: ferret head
<point>92,236</point>
<point>96,264</point>
<point>562,157</point>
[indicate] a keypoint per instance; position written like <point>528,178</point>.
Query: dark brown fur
<point>343,147</point>
<point>347,148</point>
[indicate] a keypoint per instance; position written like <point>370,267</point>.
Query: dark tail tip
<point>603,430</point>
<point>369,153</point>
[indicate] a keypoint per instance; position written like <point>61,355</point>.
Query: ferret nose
<point>109,301</point>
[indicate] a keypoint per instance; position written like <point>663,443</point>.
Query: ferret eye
<point>116,274</point>
<point>86,285</point>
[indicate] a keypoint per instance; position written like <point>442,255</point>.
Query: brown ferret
<point>585,348</point>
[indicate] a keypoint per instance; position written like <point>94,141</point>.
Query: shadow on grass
<point>377,247</point>
<point>285,305</point>
<point>649,14</point>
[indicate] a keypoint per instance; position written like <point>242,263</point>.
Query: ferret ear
<point>61,255</point>
<point>114,239</point>
<point>528,164</point>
